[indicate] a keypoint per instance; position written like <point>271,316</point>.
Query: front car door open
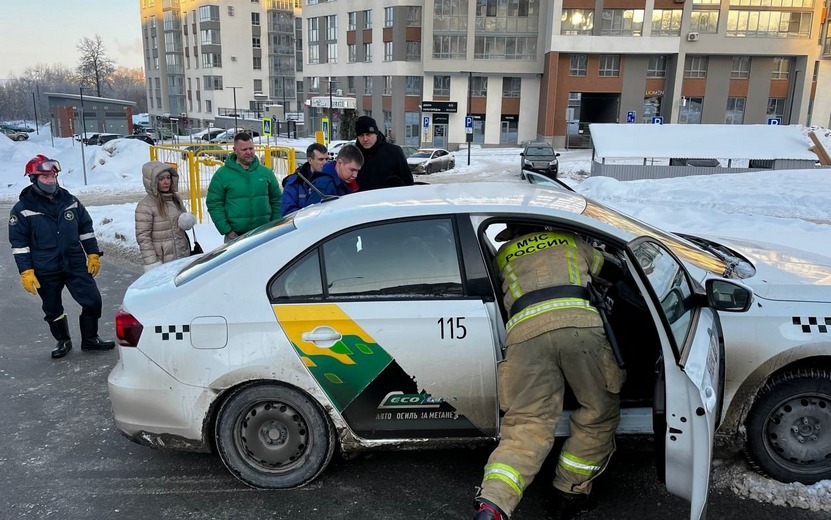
<point>693,376</point>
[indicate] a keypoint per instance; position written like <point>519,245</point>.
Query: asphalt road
<point>61,456</point>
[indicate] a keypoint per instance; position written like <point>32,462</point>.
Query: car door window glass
<point>301,280</point>
<point>401,260</point>
<point>671,285</point>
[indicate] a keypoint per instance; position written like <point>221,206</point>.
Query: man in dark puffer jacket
<point>384,163</point>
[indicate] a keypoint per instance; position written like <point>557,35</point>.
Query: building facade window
<point>367,85</point>
<point>695,67</point>
<point>211,60</point>
<point>768,24</point>
<point>387,85</point>
<point>519,48</point>
<point>210,37</point>
<point>704,21</point>
<point>255,19</point>
<point>255,42</point>
<point>257,63</point>
<point>414,16</point>
<point>368,19</point>
<point>350,85</point>
<point>776,107</point>
<point>734,115</point>
<point>690,113</point>
<point>212,82</point>
<point>579,65</point>
<point>449,47</point>
<point>622,22</point>
<point>441,85</point>
<point>450,15</point>
<point>413,87</point>
<point>388,16</point>
<point>740,68</point>
<point>609,66</point>
<point>479,86</point>
<point>666,22</point>
<point>511,87</point>
<point>367,52</point>
<point>411,128</point>
<point>209,13</point>
<point>352,51</point>
<point>657,66</point>
<point>332,52</point>
<point>577,21</point>
<point>352,21</point>
<point>781,68</point>
<point>509,131</point>
<point>413,51</point>
<point>388,51</point>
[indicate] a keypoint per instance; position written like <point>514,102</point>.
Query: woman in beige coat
<point>161,219</point>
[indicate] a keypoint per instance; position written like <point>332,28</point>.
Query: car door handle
<point>322,334</point>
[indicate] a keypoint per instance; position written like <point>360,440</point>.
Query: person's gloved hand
<point>30,281</point>
<point>186,221</point>
<point>151,266</point>
<point>93,264</point>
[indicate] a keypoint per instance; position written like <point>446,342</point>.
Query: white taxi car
<point>375,320</point>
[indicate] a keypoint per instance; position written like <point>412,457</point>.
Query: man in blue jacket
<point>336,175</point>
<point>295,188</point>
<point>54,246</point>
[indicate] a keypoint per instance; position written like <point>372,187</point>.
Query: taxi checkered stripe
<point>813,324</point>
<point>170,332</point>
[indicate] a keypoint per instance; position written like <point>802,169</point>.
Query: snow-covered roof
<point>700,141</point>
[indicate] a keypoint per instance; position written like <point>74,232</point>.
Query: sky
<point>117,22</point>
<point>791,208</point>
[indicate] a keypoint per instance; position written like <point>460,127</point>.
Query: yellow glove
<point>93,264</point>
<point>30,281</point>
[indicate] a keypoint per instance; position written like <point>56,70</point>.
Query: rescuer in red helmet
<point>54,246</point>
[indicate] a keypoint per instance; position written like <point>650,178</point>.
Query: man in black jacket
<point>54,246</point>
<point>384,163</point>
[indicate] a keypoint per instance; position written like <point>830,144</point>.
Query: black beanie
<point>365,125</point>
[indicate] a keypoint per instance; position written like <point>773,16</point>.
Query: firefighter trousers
<point>531,387</point>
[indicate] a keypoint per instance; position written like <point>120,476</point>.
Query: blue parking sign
<point>630,116</point>
<point>468,121</point>
<point>774,120</point>
<point>657,120</point>
<point>426,121</point>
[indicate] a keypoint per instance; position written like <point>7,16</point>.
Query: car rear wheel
<point>452,165</point>
<point>275,437</point>
<point>789,427</point>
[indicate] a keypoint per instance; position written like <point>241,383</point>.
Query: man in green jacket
<point>243,194</point>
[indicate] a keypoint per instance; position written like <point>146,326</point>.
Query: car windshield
<point>539,150</point>
<point>421,154</point>
<point>684,249</point>
<point>235,248</point>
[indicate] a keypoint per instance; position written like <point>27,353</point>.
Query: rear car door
<point>383,318</point>
<point>688,396</point>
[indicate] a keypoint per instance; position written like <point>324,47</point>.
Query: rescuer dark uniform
<point>54,246</point>
<point>554,335</point>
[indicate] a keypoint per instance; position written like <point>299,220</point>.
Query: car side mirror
<point>522,154</point>
<point>728,296</point>
<point>556,154</point>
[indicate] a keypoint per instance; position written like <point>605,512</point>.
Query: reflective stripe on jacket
<point>542,260</point>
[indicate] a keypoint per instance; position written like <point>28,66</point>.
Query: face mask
<point>49,189</point>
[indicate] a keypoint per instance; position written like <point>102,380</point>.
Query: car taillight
<point>127,329</point>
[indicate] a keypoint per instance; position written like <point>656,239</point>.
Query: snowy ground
<point>787,207</point>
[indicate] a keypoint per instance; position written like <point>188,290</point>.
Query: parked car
<point>349,286</point>
<point>429,160</point>
<point>104,138</point>
<point>333,149</point>
<point>228,135</point>
<point>20,128</point>
<point>539,156</point>
<point>15,135</point>
<point>145,137</point>
<point>409,150</point>
<point>208,133</point>
<point>90,138</point>
<point>778,391</point>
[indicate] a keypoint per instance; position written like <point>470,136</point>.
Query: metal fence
<point>197,163</point>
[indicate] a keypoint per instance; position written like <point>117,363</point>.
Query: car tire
<point>428,169</point>
<point>273,437</point>
<point>20,138</point>
<point>789,427</point>
<point>452,165</point>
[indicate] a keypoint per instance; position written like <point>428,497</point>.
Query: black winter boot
<point>570,505</point>
<point>487,510</point>
<point>89,335</point>
<point>60,331</point>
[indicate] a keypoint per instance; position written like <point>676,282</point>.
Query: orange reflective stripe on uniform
<point>574,464</point>
<point>547,306</point>
<point>506,474</point>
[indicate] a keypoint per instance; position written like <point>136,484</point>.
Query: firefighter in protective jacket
<point>54,246</point>
<point>554,336</point>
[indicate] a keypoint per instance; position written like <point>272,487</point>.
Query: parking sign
<point>658,120</point>
<point>630,116</point>
<point>425,121</point>
<point>468,121</point>
<point>774,120</point>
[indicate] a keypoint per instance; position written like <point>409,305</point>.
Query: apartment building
<point>495,72</point>
<point>212,58</point>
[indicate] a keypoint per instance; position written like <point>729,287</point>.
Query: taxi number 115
<point>452,328</point>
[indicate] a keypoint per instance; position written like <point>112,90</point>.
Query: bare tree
<point>95,67</point>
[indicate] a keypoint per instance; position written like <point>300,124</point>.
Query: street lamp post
<point>331,82</point>
<point>285,109</point>
<point>469,95</point>
<point>235,106</point>
<point>83,134</point>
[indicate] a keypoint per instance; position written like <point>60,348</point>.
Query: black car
<point>103,138</point>
<point>141,137</point>
<point>540,157</point>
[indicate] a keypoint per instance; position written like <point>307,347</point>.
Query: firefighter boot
<point>89,335</point>
<point>570,505</point>
<point>60,331</point>
<point>487,510</point>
